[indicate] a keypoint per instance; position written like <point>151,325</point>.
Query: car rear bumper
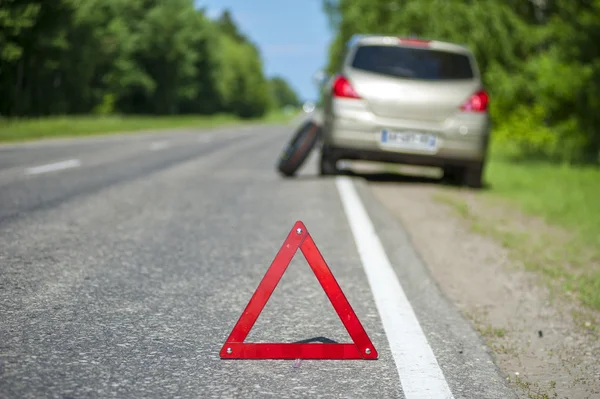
<point>461,139</point>
<point>354,154</point>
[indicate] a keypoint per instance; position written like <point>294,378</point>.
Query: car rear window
<point>413,63</point>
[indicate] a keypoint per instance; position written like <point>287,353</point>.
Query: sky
<point>293,36</point>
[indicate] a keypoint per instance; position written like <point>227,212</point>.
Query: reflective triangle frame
<point>361,347</point>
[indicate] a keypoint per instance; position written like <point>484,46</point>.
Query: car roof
<point>389,39</point>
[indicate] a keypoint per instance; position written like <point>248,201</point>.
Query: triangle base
<point>295,351</point>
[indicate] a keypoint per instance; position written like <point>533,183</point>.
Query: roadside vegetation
<point>71,67</point>
<point>18,130</point>
<point>541,64</point>
<point>565,196</point>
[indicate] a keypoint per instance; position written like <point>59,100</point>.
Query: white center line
<point>159,145</point>
<point>419,372</point>
<point>52,167</point>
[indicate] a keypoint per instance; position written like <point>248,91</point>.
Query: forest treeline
<point>160,57</point>
<point>540,61</point>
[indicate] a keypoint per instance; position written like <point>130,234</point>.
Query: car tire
<point>327,163</point>
<point>298,149</point>
<point>453,175</point>
<point>472,176</point>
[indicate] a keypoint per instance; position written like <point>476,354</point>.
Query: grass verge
<point>564,196</point>
<point>560,196</point>
<point>562,258</point>
<point>559,253</point>
<point>76,126</point>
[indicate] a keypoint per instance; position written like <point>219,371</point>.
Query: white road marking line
<point>159,145</point>
<point>419,372</point>
<point>52,167</point>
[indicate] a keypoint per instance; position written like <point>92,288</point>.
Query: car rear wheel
<point>470,176</point>
<point>327,163</point>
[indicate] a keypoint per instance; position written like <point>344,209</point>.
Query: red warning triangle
<point>236,348</point>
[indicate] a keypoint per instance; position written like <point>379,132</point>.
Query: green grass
<point>563,196</point>
<point>74,126</point>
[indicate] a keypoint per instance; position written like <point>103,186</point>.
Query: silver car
<point>408,101</point>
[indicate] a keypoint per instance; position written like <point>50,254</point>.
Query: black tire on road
<point>470,176</point>
<point>298,149</point>
<point>327,164</point>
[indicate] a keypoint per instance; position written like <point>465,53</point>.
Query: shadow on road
<point>322,340</point>
<point>389,178</point>
<point>399,178</point>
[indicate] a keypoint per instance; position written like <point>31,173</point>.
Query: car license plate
<point>408,140</point>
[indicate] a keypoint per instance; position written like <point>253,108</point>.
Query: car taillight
<point>477,103</point>
<point>343,88</point>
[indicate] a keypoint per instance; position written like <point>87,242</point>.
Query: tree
<point>283,93</point>
<point>227,25</point>
<point>126,56</point>
<point>244,87</point>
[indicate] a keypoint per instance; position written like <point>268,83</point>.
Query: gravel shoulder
<point>545,343</point>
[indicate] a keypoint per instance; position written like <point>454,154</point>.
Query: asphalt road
<point>126,261</point>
